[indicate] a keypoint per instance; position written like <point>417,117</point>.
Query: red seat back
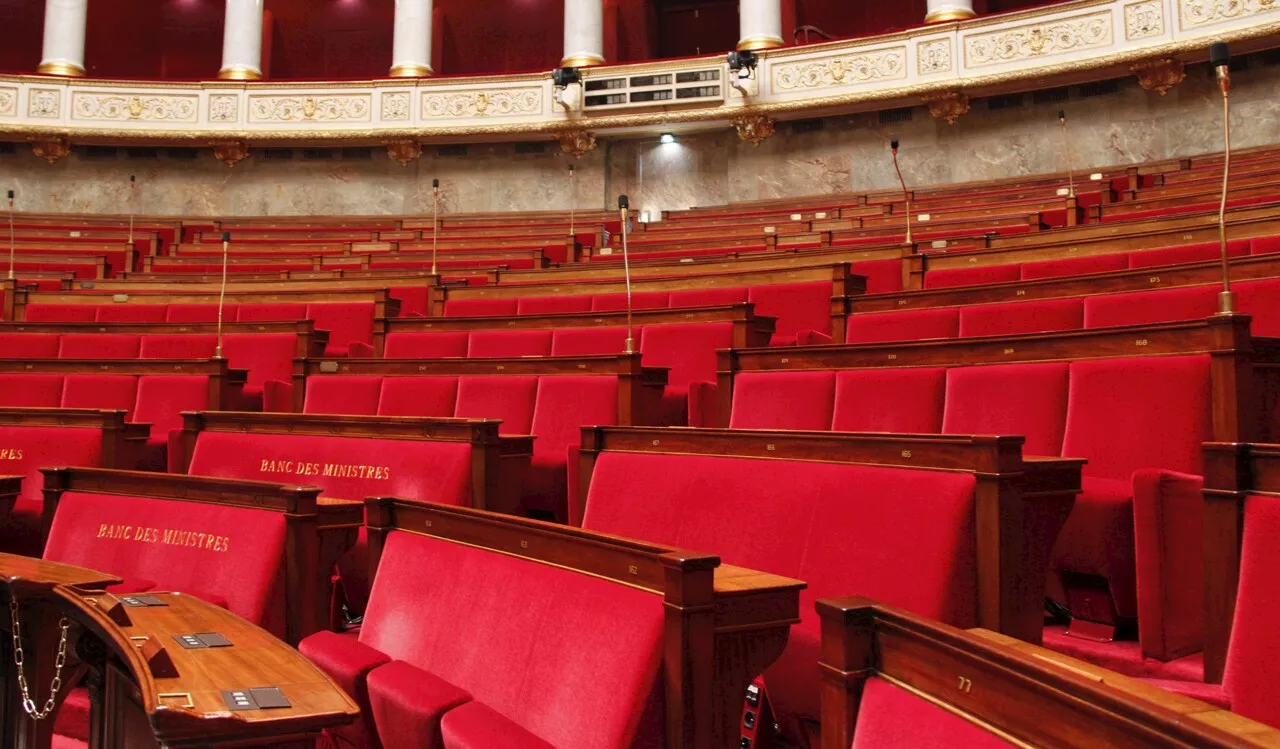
<point>30,390</point>
<point>713,297</point>
<point>132,313</point>
<point>798,306</point>
<point>357,396</point>
<point>590,341</point>
<point>27,449</point>
<point>783,400</point>
<point>479,307</point>
<point>497,397</point>
<point>1015,318</point>
<point>883,276</point>
<point>1260,300</point>
<point>1254,654</point>
<point>1149,307</point>
<point>1075,266</point>
<point>889,400</point>
<point>509,343</point>
<point>1187,253</point>
<point>946,278</point>
<point>269,312</point>
<point>28,346</point>
<point>201,313</point>
<point>689,350</point>
<point>61,313</point>
<point>426,344</point>
<point>163,398</point>
<point>97,346</point>
<point>907,325</point>
<point>889,715</point>
<point>418,396</point>
<point>266,356</point>
<point>549,305</point>
<point>195,346</point>
<point>1010,399</point>
<point>347,323</point>
<point>639,300</point>
<point>119,392</point>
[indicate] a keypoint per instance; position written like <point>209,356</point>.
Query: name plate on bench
<point>258,698</point>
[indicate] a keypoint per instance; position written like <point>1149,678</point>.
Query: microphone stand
<point>133,208</point>
<point>222,294</point>
<point>11,242</point>
<point>905,195</point>
<point>435,223</point>
<point>1226,299</point>
<point>1066,154</point>
<point>623,207</point>
<point>573,197</point>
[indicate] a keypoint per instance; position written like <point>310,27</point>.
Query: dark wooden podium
<point>156,671</point>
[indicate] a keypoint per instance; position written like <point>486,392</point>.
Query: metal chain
<point>28,704</point>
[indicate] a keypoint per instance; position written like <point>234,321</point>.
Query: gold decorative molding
<point>230,152</point>
<point>50,149</point>
<point>1044,39</point>
<point>842,70</point>
<point>1194,13</point>
<point>1159,75</point>
<point>482,103</point>
<point>336,108</point>
<point>124,108</point>
<point>754,128</point>
<point>578,142</point>
<point>404,150</point>
<point>239,74</point>
<point>581,61</point>
<point>410,70</point>
<point>948,15</point>
<point>64,69</point>
<point>8,101</point>
<point>947,106</point>
<point>758,43</point>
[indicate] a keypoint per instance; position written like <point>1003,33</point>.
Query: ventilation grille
<point>361,153</point>
<point>1005,101</point>
<point>141,153</point>
<point>531,148</point>
<point>7,148</point>
<point>277,154</point>
<point>1099,88</point>
<point>317,154</point>
<point>1050,96</point>
<point>100,152</point>
<point>183,154</point>
<point>807,126</point>
<point>893,116</point>
<point>453,150</point>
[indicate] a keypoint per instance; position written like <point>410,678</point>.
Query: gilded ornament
<point>1201,12</point>
<point>230,152</point>
<point>577,142</point>
<point>404,150</point>
<point>43,103</point>
<point>489,103</point>
<point>1159,75</point>
<point>755,129</point>
<point>50,148</point>
<point>1043,39</point>
<point>934,56</point>
<point>135,108</point>
<point>8,102</point>
<point>309,107</point>
<point>1144,19</point>
<point>842,70</point>
<point>947,106</point>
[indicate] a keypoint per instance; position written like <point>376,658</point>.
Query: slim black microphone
<point>893,145</point>
<point>11,195</point>
<point>906,196</point>
<point>226,236</point>
<point>1220,59</point>
<point>623,203</point>
<point>435,183</point>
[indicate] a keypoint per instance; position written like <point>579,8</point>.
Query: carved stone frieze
<point>44,103</point>
<point>8,102</point>
<point>842,70</point>
<point>578,142</point>
<point>224,108</point>
<point>395,106</point>
<point>482,103</point>
<point>230,152</point>
<point>947,106</point>
<point>1202,12</point>
<point>1069,35</point>
<point>336,108</point>
<point>134,107</point>
<point>50,149</point>
<point>404,150</point>
<point>755,128</point>
<point>1145,19</point>
<point>933,56</point>
<point>1159,75</point>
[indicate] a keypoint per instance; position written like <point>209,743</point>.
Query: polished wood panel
<point>283,292</point>
<point>1023,694</point>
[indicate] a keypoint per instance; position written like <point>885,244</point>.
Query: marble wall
<point>849,153</point>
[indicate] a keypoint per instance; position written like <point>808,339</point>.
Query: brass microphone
<point>222,294</point>
<point>133,209</point>
<point>893,148</point>
<point>573,195</point>
<point>1066,153</point>
<point>435,222</point>
<point>11,235</point>
<point>624,207</point>
<point>1220,59</point>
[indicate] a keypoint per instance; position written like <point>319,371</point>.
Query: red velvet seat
<point>161,401</point>
<point>639,300</point>
<point>1260,300</point>
<point>509,398</point>
<point>27,450</point>
<point>563,406</point>
<point>550,305</point>
<point>588,653</point>
<point>783,400</point>
<point>270,312</point>
<point>347,323</point>
<point>357,396</point>
<point>30,390</point>
<point>509,343</point>
<point>1147,307</point>
<point>479,307</point>
<point>883,276</point>
<point>839,527</point>
<point>591,341</point>
<point>712,297</point>
<point>890,716</point>
<point>131,313</point>
<point>1015,318</point>
<point>1010,399</point>
<point>200,312</point>
<point>28,345</point>
<point>1188,253</point>
<point>1141,482</point>
<point>889,400</point>
<point>1264,245</point>
<point>418,396</point>
<point>268,358</point>
<point>904,325</point>
<point>799,307</point>
<point>425,344</point>
<point>194,346</point>
<point>61,313</point>
<point>1075,266</point>
<point>689,351</point>
<point>97,346</point>
<point>947,278</point>
<point>119,392</point>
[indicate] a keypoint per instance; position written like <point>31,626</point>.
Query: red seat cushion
<point>479,307</point>
<point>28,346</point>
<point>426,344</point>
<point>783,400</point>
<point>61,313</point>
<point>509,343</point>
<point>162,398</point>
<point>210,551</point>
<point>478,726</point>
<point>1189,253</point>
<point>407,704</point>
<point>548,305</point>
<point>946,278</point>
<point>348,662</point>
<point>587,650</point>
<point>497,397</point>
<point>26,450</point>
<point>1097,539</point>
<point>132,313</point>
<point>590,341</point>
<point>418,396</point>
<point>883,276</point>
<point>889,715</point>
<point>689,351</point>
<point>905,325</point>
<point>197,346</point>
<point>97,346</point>
<point>1264,245</point>
<point>1015,318</point>
<point>347,323</point>
<point>639,300</point>
<point>1253,658</point>
<point>1075,266</point>
<point>1148,307</point>
<point>1260,300</point>
<point>268,357</point>
<point>357,396</point>
<point>889,400</point>
<point>798,306</point>
<point>1010,399</point>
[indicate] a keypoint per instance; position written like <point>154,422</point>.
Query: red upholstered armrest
<point>811,338</point>
<point>347,661</point>
<point>1168,514</point>
<point>360,350</point>
<point>277,396</point>
<point>702,403</point>
<point>577,504</point>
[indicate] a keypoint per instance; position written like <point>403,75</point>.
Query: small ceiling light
<point>666,138</point>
